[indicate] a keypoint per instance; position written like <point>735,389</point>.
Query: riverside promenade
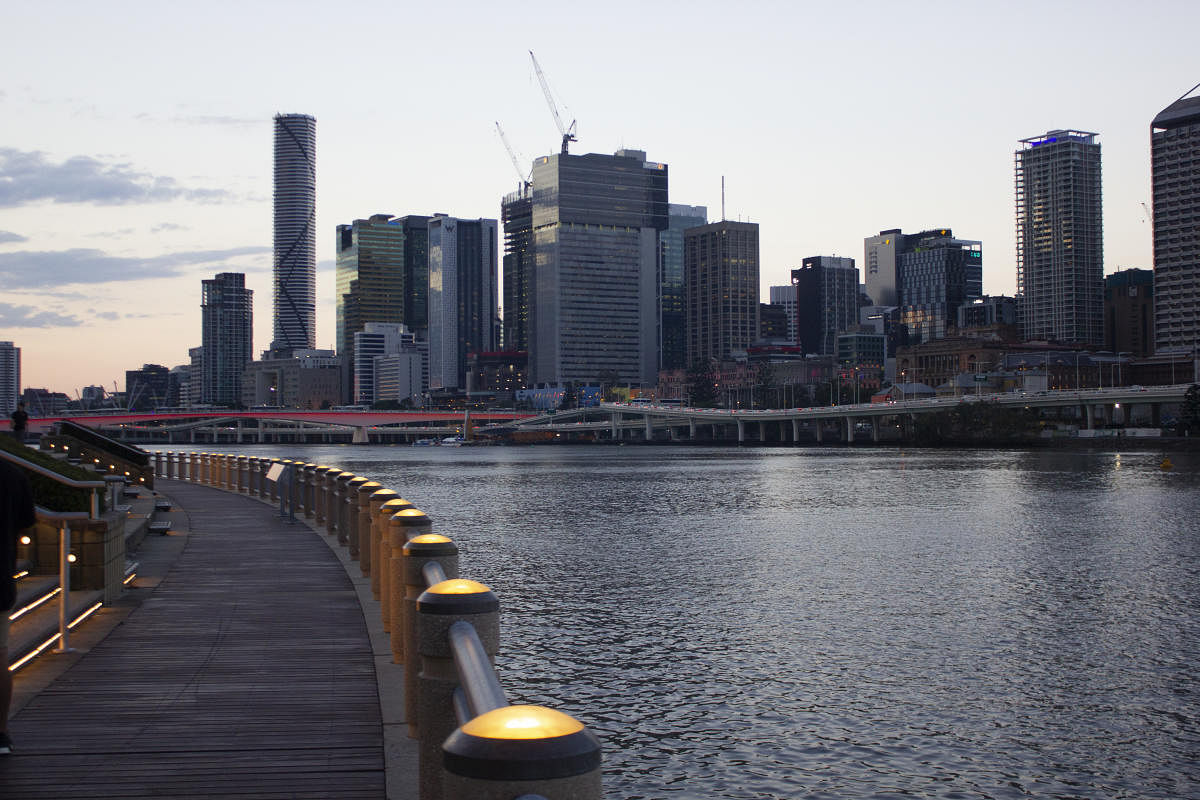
<point>240,663</point>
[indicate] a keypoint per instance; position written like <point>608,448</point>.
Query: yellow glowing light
<point>71,558</point>
<point>458,586</point>
<point>26,540</point>
<point>409,513</point>
<point>522,722</point>
<point>430,538</point>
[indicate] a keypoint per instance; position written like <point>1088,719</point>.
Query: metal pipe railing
<point>95,486</point>
<point>477,677</point>
<point>63,518</point>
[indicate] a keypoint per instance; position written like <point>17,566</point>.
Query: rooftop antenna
<point>722,198</point>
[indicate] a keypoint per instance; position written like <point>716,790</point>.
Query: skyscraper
<point>516,212</point>
<point>10,377</point>
<point>227,336</point>
<point>785,297</point>
<point>295,232</point>
<point>672,302</point>
<point>593,296</point>
<point>462,296</point>
<point>720,265</point>
<point>879,262</point>
<point>826,301</point>
<point>1060,242</point>
<point>382,275</point>
<point>1175,154</point>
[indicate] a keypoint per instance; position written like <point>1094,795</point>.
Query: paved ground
<point>246,661</point>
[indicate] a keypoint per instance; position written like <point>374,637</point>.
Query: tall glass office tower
<point>295,232</point>
<point>1175,161</point>
<point>227,331</point>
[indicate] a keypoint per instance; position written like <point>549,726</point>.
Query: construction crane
<point>568,133</point>
<point>1149,216</point>
<point>524,178</point>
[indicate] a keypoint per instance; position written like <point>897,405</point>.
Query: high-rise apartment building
<point>227,337</point>
<point>1060,241</point>
<point>462,296</point>
<point>826,302</point>
<point>593,296</point>
<point>10,377</point>
<point>382,275</point>
<point>672,303</point>
<point>295,232</point>
<point>1175,167</point>
<point>720,267</point>
<point>516,212</point>
<point>937,274</point>
<point>879,261</point>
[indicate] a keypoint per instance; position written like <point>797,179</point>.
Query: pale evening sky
<point>136,138</point>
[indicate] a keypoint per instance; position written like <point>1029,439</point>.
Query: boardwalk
<point>248,672</point>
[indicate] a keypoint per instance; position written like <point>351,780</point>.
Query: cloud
<point>109,315</point>
<point>26,176</point>
<point>29,269</point>
<point>9,236</point>
<point>29,317</point>
<point>214,119</point>
<point>168,226</point>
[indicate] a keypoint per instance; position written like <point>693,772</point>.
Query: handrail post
<point>403,526</point>
<point>419,553</point>
<point>64,584</point>
<point>362,523</point>
<point>438,608</point>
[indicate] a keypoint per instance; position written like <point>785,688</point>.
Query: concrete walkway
<point>247,660</point>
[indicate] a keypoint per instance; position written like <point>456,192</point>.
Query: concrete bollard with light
<point>362,525</point>
<point>367,537</point>
<point>348,494</point>
<point>522,750</point>
<point>419,552</point>
<point>381,554</point>
<point>403,526</point>
<point>438,608</point>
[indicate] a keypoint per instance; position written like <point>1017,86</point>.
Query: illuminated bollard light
<point>403,525</point>
<point>439,607</point>
<point>362,527</point>
<point>243,475</point>
<point>522,750</point>
<point>345,488</point>
<point>384,504</point>
<point>418,552</point>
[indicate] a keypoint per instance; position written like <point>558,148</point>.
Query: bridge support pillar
<point>874,429</point>
<point>616,431</point>
<point>692,428</point>
<point>795,430</point>
<point>1156,415</point>
<point>849,430</point>
<point>741,429</point>
<point>817,423</point>
<point>360,436</point>
<point>762,432</point>
<point>649,431</point>
<point>1089,415</point>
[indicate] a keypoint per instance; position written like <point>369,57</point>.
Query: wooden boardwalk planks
<point>248,673</point>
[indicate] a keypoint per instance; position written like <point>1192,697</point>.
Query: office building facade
<point>880,263</point>
<point>516,212</point>
<point>1175,154</point>
<point>826,302</point>
<point>462,296</point>
<point>721,268</point>
<point>785,298</point>
<point>148,388</point>
<point>593,295</point>
<point>226,333</point>
<point>381,275</point>
<point>1129,306</point>
<point>672,301</point>
<point>379,340</point>
<point>1060,242</point>
<point>937,273</point>
<point>295,262</point>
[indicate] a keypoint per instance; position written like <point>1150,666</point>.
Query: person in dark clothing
<point>20,420</point>
<point>16,514</point>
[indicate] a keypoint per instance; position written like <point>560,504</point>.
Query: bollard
<point>333,497</point>
<point>170,464</point>
<point>302,475</point>
<point>243,473</point>
<point>273,486</point>
<point>383,557</point>
<point>319,495</point>
<point>419,551</point>
<point>439,607</point>
<point>517,750</point>
<point>362,522</point>
<point>369,545</point>
<point>158,465</point>
<point>342,521</point>
<point>402,526</point>
<point>310,482</point>
<point>350,514</point>
<point>193,466</point>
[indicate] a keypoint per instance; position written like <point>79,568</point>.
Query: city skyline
<point>133,164</point>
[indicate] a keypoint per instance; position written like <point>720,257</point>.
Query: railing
<point>443,629</point>
<point>95,486</point>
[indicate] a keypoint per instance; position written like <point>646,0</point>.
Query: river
<point>837,623</point>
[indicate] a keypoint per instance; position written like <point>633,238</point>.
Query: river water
<point>840,623</point>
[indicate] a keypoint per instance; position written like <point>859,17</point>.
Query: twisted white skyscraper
<point>295,232</point>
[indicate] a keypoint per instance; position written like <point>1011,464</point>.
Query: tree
<point>702,389</point>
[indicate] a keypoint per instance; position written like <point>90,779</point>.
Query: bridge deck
<point>247,673</point>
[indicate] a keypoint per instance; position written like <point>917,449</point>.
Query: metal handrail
<point>480,688</point>
<point>64,567</point>
<point>63,479</point>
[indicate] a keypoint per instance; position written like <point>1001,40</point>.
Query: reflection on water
<point>838,623</point>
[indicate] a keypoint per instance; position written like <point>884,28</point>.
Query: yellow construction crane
<point>568,133</point>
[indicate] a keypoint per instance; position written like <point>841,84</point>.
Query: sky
<point>136,138</point>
